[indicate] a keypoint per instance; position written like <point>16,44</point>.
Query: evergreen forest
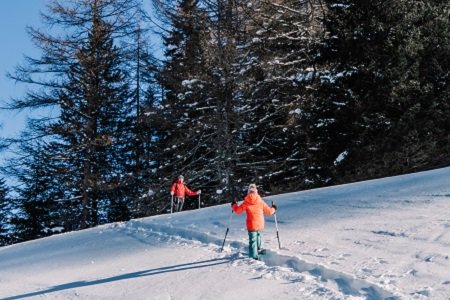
<point>290,95</point>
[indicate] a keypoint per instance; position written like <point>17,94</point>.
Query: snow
<point>382,239</point>
<point>296,111</point>
<point>340,5</point>
<point>303,76</point>
<point>190,83</point>
<point>340,157</point>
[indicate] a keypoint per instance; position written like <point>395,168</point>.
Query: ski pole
<point>199,201</point>
<point>171,205</point>
<point>276,226</point>
<point>226,232</point>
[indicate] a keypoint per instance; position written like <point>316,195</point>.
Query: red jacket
<point>255,208</point>
<point>180,189</point>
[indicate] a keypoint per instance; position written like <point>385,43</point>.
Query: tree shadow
<point>150,272</point>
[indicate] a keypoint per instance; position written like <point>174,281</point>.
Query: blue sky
<point>15,16</point>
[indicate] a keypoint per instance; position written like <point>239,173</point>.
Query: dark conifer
<point>382,88</point>
<point>81,148</point>
<point>5,211</point>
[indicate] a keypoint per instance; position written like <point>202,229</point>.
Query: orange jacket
<point>180,189</point>
<point>255,208</point>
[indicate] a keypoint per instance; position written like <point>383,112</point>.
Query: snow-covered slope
<point>380,239</point>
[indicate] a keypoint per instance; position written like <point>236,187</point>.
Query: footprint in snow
<point>424,292</point>
<point>412,272</point>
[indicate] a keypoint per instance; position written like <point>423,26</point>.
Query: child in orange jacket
<point>179,190</point>
<point>255,209</point>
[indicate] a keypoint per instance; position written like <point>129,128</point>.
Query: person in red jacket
<point>255,208</point>
<point>179,190</point>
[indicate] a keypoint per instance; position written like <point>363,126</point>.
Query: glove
<point>199,192</point>
<point>172,193</point>
<point>274,206</point>
<point>233,202</point>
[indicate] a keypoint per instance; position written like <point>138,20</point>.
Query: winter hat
<point>252,188</point>
<point>181,177</point>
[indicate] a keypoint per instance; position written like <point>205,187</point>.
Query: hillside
<point>381,239</point>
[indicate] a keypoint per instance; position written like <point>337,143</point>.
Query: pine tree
<point>83,148</point>
<point>37,212</point>
<point>197,120</point>
<point>5,210</point>
<point>216,118</point>
<point>278,71</point>
<point>139,153</point>
<point>185,105</point>
<point>420,138</point>
<point>99,83</point>
<point>376,91</point>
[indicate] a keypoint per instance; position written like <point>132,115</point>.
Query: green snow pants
<point>254,244</point>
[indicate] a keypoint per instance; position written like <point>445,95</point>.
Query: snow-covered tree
<point>277,71</point>
<point>197,106</point>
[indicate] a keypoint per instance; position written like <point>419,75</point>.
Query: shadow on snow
<point>151,272</point>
